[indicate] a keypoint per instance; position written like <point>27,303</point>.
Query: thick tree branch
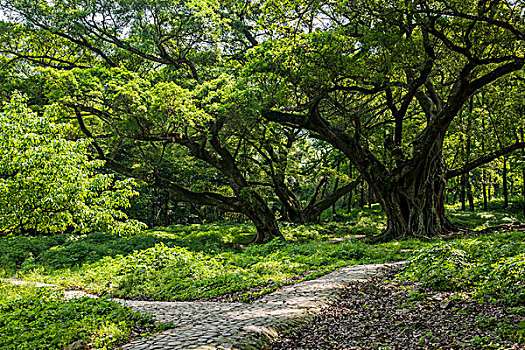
<point>328,201</point>
<point>88,133</point>
<point>499,72</point>
<point>483,160</point>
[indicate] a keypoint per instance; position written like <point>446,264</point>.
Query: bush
<point>15,250</point>
<point>50,184</point>
<point>496,269</point>
<point>442,267</point>
<point>70,250</point>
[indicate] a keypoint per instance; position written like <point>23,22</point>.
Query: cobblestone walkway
<point>215,325</point>
<point>243,326</point>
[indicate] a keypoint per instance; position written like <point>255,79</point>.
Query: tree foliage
<point>236,87</point>
<point>49,184</point>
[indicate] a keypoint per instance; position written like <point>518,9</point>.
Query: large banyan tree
<point>382,81</point>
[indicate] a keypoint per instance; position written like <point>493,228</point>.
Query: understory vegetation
<point>209,262</point>
<point>205,262</point>
<point>193,262</point>
<point>34,318</point>
<point>490,267</point>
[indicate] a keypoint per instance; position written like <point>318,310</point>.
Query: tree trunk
<point>466,181</point>
<point>484,171</point>
<point>362,196</point>
<point>415,203</point>
<point>350,197</point>
<point>505,185</point>
<point>455,196</point>
<point>336,186</point>
<point>488,188</point>
<point>463,192</point>
<point>315,208</point>
<point>166,208</point>
<point>256,209</point>
<point>523,170</point>
<point>484,180</point>
<point>468,151</point>
<point>470,197</point>
<point>351,193</point>
<point>370,197</point>
<point>291,205</point>
<point>317,204</point>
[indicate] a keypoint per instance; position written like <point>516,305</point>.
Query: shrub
<point>49,184</point>
<point>496,270</point>
<point>442,267</point>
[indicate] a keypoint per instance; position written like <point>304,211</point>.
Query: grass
<point>39,318</point>
<point>200,262</point>
<point>193,262</point>
<point>480,219</point>
<point>171,271</point>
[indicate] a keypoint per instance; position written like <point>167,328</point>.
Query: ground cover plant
<point>206,262</point>
<point>490,267</point>
<point>169,270</point>
<point>190,262</point>
<point>34,318</point>
<point>461,293</point>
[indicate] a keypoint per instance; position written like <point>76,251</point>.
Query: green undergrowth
<point>193,262</point>
<point>201,262</point>
<point>39,318</point>
<point>165,272</point>
<point>488,267</point>
<point>479,219</point>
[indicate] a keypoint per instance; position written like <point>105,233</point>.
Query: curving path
<point>216,325</point>
<point>229,326</point>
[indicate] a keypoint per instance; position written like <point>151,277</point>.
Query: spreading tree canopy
<point>233,83</point>
<point>368,76</point>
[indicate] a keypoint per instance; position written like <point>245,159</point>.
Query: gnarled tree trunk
<point>290,203</point>
<point>415,201</point>
<point>256,209</point>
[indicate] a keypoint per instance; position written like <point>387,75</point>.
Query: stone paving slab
<point>217,325</point>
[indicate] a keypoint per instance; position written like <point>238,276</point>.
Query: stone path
<point>243,326</point>
<point>68,294</point>
<point>216,325</point>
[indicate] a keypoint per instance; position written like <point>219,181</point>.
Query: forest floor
<point>384,313</point>
<point>204,266</point>
<point>354,307</point>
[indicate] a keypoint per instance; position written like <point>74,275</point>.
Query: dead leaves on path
<point>381,314</point>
